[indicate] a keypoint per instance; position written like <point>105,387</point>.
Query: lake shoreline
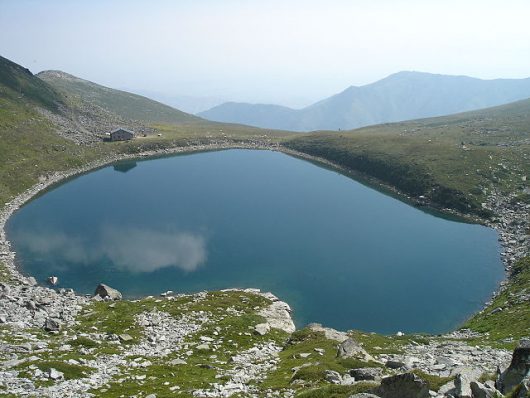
<point>509,245</point>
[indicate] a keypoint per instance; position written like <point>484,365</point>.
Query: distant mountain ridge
<point>398,97</point>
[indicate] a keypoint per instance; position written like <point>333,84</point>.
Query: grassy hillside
<point>19,85</point>
<point>31,149</point>
<point>129,106</point>
<point>454,161</point>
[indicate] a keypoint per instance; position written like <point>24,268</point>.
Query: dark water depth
<point>340,253</point>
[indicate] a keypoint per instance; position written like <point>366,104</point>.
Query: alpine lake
<point>340,253</point>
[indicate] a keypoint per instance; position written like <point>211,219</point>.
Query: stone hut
<point>121,134</point>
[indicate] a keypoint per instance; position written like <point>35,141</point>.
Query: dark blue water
<point>340,253</point>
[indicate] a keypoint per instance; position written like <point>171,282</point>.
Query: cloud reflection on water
<point>129,248</point>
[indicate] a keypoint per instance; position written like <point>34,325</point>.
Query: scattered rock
<point>107,292</point>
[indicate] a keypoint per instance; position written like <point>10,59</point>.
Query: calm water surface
<point>340,253</point>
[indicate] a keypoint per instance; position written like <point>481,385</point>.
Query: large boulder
<point>518,370</point>
<point>366,373</point>
<point>349,348</point>
<point>406,385</point>
<point>107,292</point>
<point>480,390</point>
<point>463,382</point>
<point>52,325</point>
<point>329,333</point>
<point>524,391</point>
<point>333,377</point>
<point>278,316</point>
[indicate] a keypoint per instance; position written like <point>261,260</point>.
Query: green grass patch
<point>376,344</point>
<point>306,341</point>
<point>70,371</point>
<point>82,341</point>
<point>505,328</point>
<point>435,382</point>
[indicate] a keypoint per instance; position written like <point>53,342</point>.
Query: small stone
<point>124,337</point>
<point>177,361</point>
<point>333,377</point>
<point>262,329</point>
<point>55,374</point>
<point>395,364</point>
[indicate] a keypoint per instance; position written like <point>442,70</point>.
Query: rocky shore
<point>180,328</point>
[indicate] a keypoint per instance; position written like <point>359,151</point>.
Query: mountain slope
<point>19,85</point>
<point>456,161</point>
<point>80,92</point>
<point>402,96</point>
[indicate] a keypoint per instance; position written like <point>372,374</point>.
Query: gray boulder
<point>52,325</point>
<point>366,373</point>
<point>479,390</point>
<point>262,329</point>
<point>349,348</point>
<point>406,385</point>
<point>333,377</point>
<point>518,370</point>
<point>524,391</point>
<point>107,292</point>
<point>395,364</point>
<point>124,337</point>
<point>54,374</point>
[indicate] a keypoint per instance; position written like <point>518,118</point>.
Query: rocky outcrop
<point>406,385</point>
<point>278,316</point>
<point>518,370</point>
<point>329,333</point>
<point>107,292</point>
<point>372,374</point>
<point>463,382</point>
<point>480,390</point>
<point>349,348</point>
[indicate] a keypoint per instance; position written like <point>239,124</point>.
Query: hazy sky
<point>288,52</point>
